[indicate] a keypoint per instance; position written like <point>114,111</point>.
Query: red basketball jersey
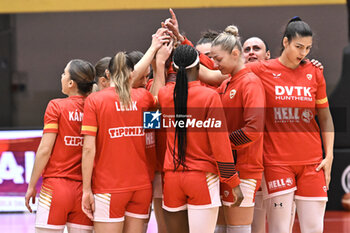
<point>208,147</point>
<point>292,135</point>
<point>64,117</point>
<point>243,98</point>
<point>120,161</point>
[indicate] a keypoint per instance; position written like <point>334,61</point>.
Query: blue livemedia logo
<point>151,120</point>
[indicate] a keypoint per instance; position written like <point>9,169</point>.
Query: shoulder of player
<point>98,94</point>
<point>168,87</point>
<point>202,89</point>
<point>308,65</point>
<point>250,79</point>
<point>207,94</point>
<point>141,95</point>
<point>312,69</point>
<point>140,92</point>
<point>224,83</point>
<point>261,66</point>
<point>58,102</point>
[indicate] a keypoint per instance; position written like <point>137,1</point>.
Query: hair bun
<point>232,29</point>
<point>295,19</point>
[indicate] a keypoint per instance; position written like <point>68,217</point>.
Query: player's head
<point>204,43</point>
<point>297,41</point>
<point>78,76</point>
<point>186,62</point>
<point>226,50</point>
<point>120,68</point>
<point>102,74</point>
<point>255,49</point>
<point>135,57</point>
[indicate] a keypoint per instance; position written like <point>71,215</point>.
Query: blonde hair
<point>229,39</point>
<point>120,68</point>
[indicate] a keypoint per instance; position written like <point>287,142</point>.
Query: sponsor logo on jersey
<point>284,115</point>
<point>151,120</point>
<point>309,76</point>
<point>232,93</point>
<point>131,107</point>
<point>276,75</point>
<point>325,188</point>
<point>293,93</point>
<point>73,141</point>
<point>307,116</point>
<point>289,181</point>
<point>126,132</point>
<point>75,115</point>
<point>150,139</point>
<point>280,183</point>
<point>292,115</point>
<point>345,179</point>
<point>226,193</point>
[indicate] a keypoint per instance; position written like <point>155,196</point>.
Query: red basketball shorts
<point>113,207</point>
<point>190,189</point>
<point>307,183</point>
<point>60,205</point>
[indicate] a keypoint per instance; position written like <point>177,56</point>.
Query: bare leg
<point>159,213</point>
<point>133,225</point>
<point>239,219</point>
<point>102,227</point>
<point>221,223</point>
<point>176,221</point>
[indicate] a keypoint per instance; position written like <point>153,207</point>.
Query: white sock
<point>311,215</point>
<point>220,229</point>
<point>47,230</point>
<point>259,219</point>
<point>292,215</point>
<point>279,213</point>
<point>202,220</point>
<point>239,229</point>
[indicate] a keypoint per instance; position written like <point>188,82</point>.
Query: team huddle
<point>242,145</point>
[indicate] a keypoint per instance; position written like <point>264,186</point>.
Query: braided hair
<point>184,56</point>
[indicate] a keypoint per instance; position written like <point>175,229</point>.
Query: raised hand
<point>173,25</point>
<point>160,37</point>
<point>165,51</point>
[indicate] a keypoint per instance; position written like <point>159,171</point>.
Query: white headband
<point>189,66</point>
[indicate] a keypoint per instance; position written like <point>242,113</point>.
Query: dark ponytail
<point>296,27</point>
<point>101,67</point>
<point>184,55</point>
<point>83,73</point>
